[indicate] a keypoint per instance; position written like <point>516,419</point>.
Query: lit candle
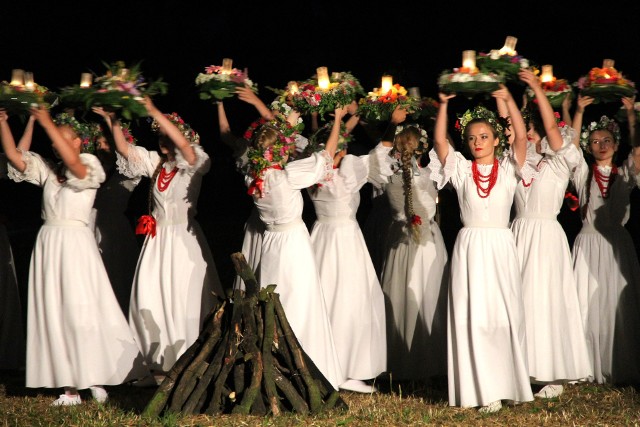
<point>469,60</point>
<point>414,92</point>
<point>547,73</point>
<point>323,77</point>
<point>86,79</point>
<point>608,63</point>
<point>509,47</point>
<point>494,54</point>
<point>386,84</point>
<point>335,76</point>
<point>29,84</point>
<point>227,66</point>
<point>17,77</point>
<point>293,88</point>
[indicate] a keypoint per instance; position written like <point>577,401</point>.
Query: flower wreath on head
<point>500,124</point>
<point>318,140</point>
<point>186,130</point>
<point>605,123</point>
<point>284,110</point>
<point>89,133</point>
<point>278,153</point>
<point>128,136</point>
<point>422,141</point>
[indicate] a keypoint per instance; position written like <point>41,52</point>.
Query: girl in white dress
<point>557,349</point>
<point>415,270</point>
<point>605,261</point>
<point>349,282</point>
<point>288,260</point>
<point>77,336</point>
<point>486,332</point>
<point>176,283</point>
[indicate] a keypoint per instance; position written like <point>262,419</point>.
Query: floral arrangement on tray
<point>220,81</point>
<point>605,84</point>
<point>469,82</point>
<point>18,98</point>
<point>555,89</point>
<point>427,109</point>
<point>311,97</point>
<point>380,103</point>
<point>119,90</point>
<point>504,61</point>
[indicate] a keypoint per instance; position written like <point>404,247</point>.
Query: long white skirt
<point>77,335</point>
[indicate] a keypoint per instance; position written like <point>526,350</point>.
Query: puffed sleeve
<point>202,163</point>
<point>303,173</point>
<point>569,154</point>
<point>94,177</point>
<point>380,165</point>
<point>631,174</point>
<point>442,174</point>
<point>37,171</point>
<point>139,162</point>
<point>354,171</point>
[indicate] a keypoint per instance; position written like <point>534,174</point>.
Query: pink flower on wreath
<point>268,154</point>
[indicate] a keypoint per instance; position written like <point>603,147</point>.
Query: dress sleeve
<point>569,153</point>
<point>202,163</point>
<point>380,165</point>
<point>305,172</point>
<point>37,171</point>
<point>632,175</point>
<point>354,171</point>
<point>94,177</point>
<point>139,162</point>
<point>442,174</point>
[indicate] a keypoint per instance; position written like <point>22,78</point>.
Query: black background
<point>278,42</point>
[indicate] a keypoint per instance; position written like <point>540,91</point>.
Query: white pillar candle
<point>323,77</point>
<point>86,79</point>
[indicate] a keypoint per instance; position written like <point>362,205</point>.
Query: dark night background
<point>279,42</point>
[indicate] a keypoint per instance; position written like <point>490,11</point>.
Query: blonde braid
<point>407,184</point>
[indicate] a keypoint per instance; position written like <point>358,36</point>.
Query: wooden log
<point>267,357</point>
<point>213,328</point>
<point>298,403</point>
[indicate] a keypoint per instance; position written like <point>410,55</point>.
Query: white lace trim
<point>328,167</point>
<point>131,166</point>
<point>30,172</point>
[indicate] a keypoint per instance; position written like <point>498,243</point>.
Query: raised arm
<point>27,135</point>
<point>578,115</point>
<point>247,95</point>
<point>566,109</point>
<point>440,142</point>
<point>398,116</point>
<point>629,106</point>
<point>70,155</point>
<point>114,125</point>
<point>9,144</point>
<point>518,128</point>
<point>354,118</point>
<point>171,131</point>
<point>334,136</point>
<point>554,137</point>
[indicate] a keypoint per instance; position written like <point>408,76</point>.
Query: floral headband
<point>422,141</point>
<point>605,123</point>
<point>191,135</point>
<point>261,158</point>
<point>318,140</point>
<point>89,133</point>
<point>500,124</point>
<point>128,136</point>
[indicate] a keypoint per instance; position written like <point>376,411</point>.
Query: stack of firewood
<point>247,360</point>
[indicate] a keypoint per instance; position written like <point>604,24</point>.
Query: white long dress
<point>557,349</point>
<point>351,288</point>
<point>414,281</point>
<point>486,349</point>
<point>77,336</point>
<point>607,272</point>
<point>288,260</point>
<point>176,277</point>
<point>115,235</point>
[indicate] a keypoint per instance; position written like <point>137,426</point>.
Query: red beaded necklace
<point>164,179</point>
<point>604,182</point>
<point>484,180</point>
